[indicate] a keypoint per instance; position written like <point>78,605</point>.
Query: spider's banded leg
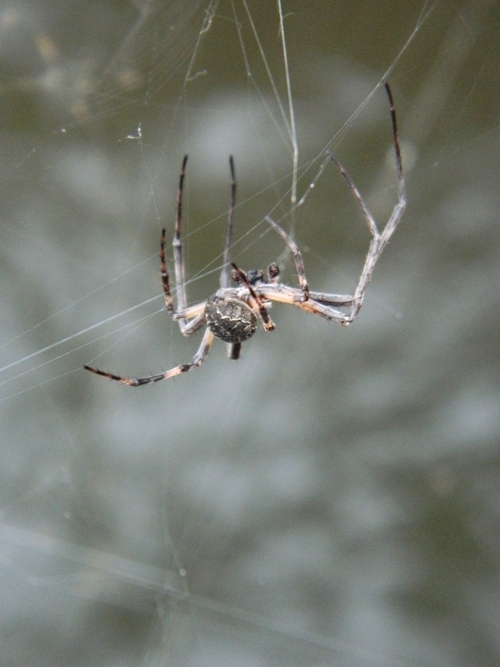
<point>169,302</point>
<point>397,148</point>
<point>288,297</point>
<point>233,349</point>
<point>198,359</point>
<point>379,239</point>
<point>224,277</point>
<point>180,281</point>
<point>299,262</point>
<point>401,205</point>
<point>373,252</point>
<point>294,295</point>
<point>195,315</point>
<point>267,321</point>
<point>377,245</point>
<point>332,299</point>
<point>370,220</point>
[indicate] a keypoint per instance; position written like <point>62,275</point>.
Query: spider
<point>233,313</point>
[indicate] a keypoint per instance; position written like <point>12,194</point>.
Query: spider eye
<point>235,276</point>
<point>273,271</point>
<point>255,276</point>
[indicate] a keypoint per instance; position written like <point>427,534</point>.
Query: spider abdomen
<point>230,319</point>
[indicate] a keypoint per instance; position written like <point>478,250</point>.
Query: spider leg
<point>196,315</point>
<point>299,262</point>
<point>198,359</point>
<point>332,299</point>
<point>264,315</point>
<point>182,314</point>
<point>169,302</point>
<point>233,349</point>
<point>224,278</point>
<point>186,328</point>
<point>177,242</point>
<point>294,297</point>
<point>379,239</point>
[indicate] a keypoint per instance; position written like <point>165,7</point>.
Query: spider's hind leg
<point>198,359</point>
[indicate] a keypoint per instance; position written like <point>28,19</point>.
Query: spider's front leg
<point>297,255</point>
<point>379,238</point>
<point>182,314</point>
<point>198,359</point>
<point>259,305</point>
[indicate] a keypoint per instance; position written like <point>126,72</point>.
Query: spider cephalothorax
<point>233,313</point>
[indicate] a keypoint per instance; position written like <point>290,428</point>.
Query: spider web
<point>250,512</point>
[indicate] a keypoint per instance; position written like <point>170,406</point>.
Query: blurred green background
<point>333,497</point>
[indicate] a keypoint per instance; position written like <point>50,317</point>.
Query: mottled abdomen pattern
<point>231,320</point>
